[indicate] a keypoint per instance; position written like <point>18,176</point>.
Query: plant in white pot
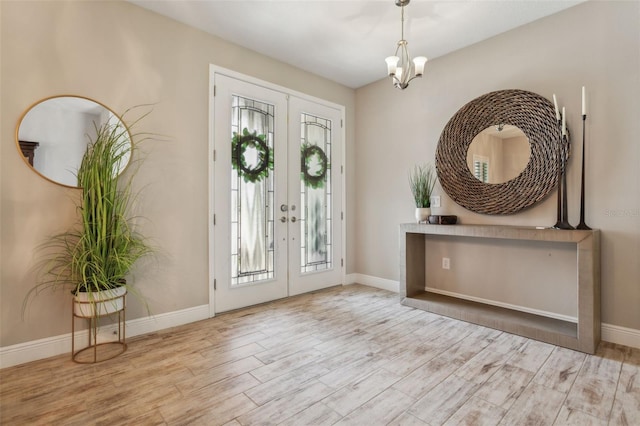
<point>94,257</point>
<point>422,180</point>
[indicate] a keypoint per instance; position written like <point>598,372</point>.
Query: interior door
<point>250,243</point>
<point>315,196</point>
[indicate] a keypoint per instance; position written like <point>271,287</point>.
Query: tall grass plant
<point>100,250</point>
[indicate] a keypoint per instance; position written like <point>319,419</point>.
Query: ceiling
<point>347,40</point>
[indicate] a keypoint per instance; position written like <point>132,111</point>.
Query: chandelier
<point>400,67</point>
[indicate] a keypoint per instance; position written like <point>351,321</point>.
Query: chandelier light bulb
<point>418,63</point>
<point>392,64</point>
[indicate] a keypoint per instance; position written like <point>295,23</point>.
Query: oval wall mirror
<point>535,116</point>
<point>498,154</point>
<point>52,135</point>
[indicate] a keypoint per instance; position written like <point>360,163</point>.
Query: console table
<point>582,336</point>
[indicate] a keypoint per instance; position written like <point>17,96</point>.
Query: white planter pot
<point>422,214</point>
<point>97,303</point>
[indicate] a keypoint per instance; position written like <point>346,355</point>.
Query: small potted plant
<point>422,179</point>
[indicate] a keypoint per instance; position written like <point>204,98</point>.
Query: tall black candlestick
<point>582,224</point>
<point>559,212</point>
<point>562,221</point>
<point>565,194</point>
<point>559,165</point>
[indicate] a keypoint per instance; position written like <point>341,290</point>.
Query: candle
<point>564,123</point>
<point>555,104</point>
<point>584,102</point>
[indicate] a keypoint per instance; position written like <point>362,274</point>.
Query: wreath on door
<point>240,144</point>
<point>308,152</point>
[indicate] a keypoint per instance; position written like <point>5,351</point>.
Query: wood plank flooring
<point>347,356</point>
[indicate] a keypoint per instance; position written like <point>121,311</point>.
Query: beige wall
<point>121,55</point>
<point>595,44</point>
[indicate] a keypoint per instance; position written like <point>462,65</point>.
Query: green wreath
<point>239,145</point>
<point>307,152</point>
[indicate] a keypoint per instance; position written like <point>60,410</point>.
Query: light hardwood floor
<point>347,355</point>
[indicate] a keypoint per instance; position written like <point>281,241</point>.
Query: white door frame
<point>214,69</point>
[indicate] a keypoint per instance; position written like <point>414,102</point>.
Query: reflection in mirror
<point>53,134</point>
<point>498,154</point>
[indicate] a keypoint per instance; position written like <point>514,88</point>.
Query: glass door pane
<point>252,190</point>
<point>315,193</point>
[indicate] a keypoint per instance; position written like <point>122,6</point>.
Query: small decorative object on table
<point>422,179</point>
<point>443,219</point>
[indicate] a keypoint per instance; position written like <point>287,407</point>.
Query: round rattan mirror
<point>532,114</point>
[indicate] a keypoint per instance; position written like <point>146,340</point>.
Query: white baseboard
<point>610,333</point>
<point>376,282</point>
<point>349,279</point>
<point>621,335</point>
<point>58,345</point>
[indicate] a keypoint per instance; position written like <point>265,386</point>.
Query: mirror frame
<point>40,101</point>
<point>531,113</point>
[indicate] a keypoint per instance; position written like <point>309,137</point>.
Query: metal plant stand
<point>105,350</point>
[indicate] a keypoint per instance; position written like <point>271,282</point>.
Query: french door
<point>277,194</point>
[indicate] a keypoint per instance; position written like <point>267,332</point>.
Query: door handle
<point>283,219</point>
<point>293,219</point>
